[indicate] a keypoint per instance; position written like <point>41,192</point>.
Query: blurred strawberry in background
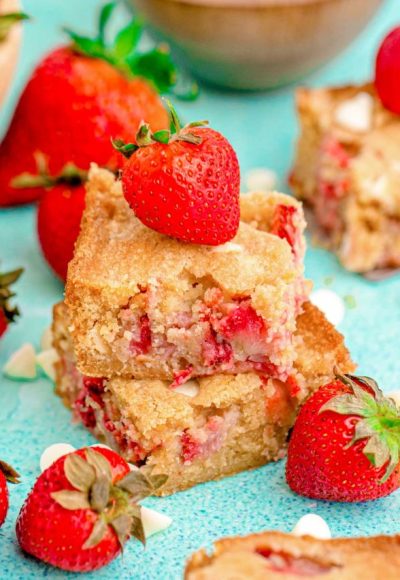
<point>79,97</point>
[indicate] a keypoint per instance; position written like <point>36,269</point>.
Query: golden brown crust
<point>342,559</point>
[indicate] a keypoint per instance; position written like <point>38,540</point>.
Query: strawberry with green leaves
<point>83,508</point>
<point>8,313</point>
<point>345,443</point>
<point>78,97</point>
<point>7,474</point>
<point>183,183</point>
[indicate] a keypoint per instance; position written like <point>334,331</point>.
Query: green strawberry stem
<point>7,21</point>
<point>70,174</point>
<point>9,472</point>
<point>145,137</point>
<point>155,65</point>
<point>6,280</point>
<point>379,423</point>
<point>116,503</point>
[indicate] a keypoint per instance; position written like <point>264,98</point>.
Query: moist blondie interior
<point>278,555</point>
<point>149,306</point>
<point>349,173</point>
<point>232,423</point>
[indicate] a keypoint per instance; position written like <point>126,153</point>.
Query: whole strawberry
<point>387,71</point>
<point>8,313</point>
<point>345,443</point>
<point>185,183</point>
<point>7,473</point>
<point>78,97</point>
<point>83,508</point>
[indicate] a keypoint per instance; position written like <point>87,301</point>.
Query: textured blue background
<point>262,128</point>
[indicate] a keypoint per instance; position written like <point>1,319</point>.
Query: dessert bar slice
<point>208,428</point>
<point>278,555</point>
<point>148,306</point>
<point>348,169</point>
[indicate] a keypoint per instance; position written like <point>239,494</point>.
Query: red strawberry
<point>8,313</point>
<point>77,98</point>
<point>7,473</point>
<point>387,71</point>
<point>83,508</point>
<point>345,443</point>
<point>59,217</point>
<point>185,184</point>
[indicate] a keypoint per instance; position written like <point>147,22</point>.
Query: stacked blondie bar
<point>192,359</point>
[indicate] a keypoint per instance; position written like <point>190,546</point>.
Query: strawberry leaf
<point>71,500</point>
<point>7,21</point>
<point>162,136</point>
<point>155,66</point>
<point>87,46</point>
<point>127,149</point>
<point>10,278</point>
<point>122,526</point>
<point>158,481</point>
<point>137,485</point>
<point>79,473</point>
<point>99,463</point>
<point>137,530</point>
<point>105,15</point>
<point>97,534</point>
<point>126,40</point>
<point>9,472</point>
<point>100,494</point>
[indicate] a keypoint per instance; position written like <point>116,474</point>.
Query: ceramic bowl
<point>256,44</point>
<point>9,49</point>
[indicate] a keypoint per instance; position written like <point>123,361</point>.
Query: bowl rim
<point>244,4</point>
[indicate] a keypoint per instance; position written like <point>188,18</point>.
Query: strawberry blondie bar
<point>278,555</point>
<point>209,428</point>
<point>148,306</point>
<point>347,169</point>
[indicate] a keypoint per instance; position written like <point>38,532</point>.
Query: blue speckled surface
<point>262,128</point>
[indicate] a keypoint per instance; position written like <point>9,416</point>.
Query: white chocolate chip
<point>190,388</point>
<point>356,114</point>
<point>228,247</point>
<point>22,364</point>
<point>261,179</point>
<point>46,360</point>
<point>312,525</point>
<point>154,522</point>
<point>54,452</point>
<point>331,304</point>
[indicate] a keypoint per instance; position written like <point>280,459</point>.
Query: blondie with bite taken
<point>278,555</point>
<point>347,169</point>
<point>209,428</point>
<point>145,305</point>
